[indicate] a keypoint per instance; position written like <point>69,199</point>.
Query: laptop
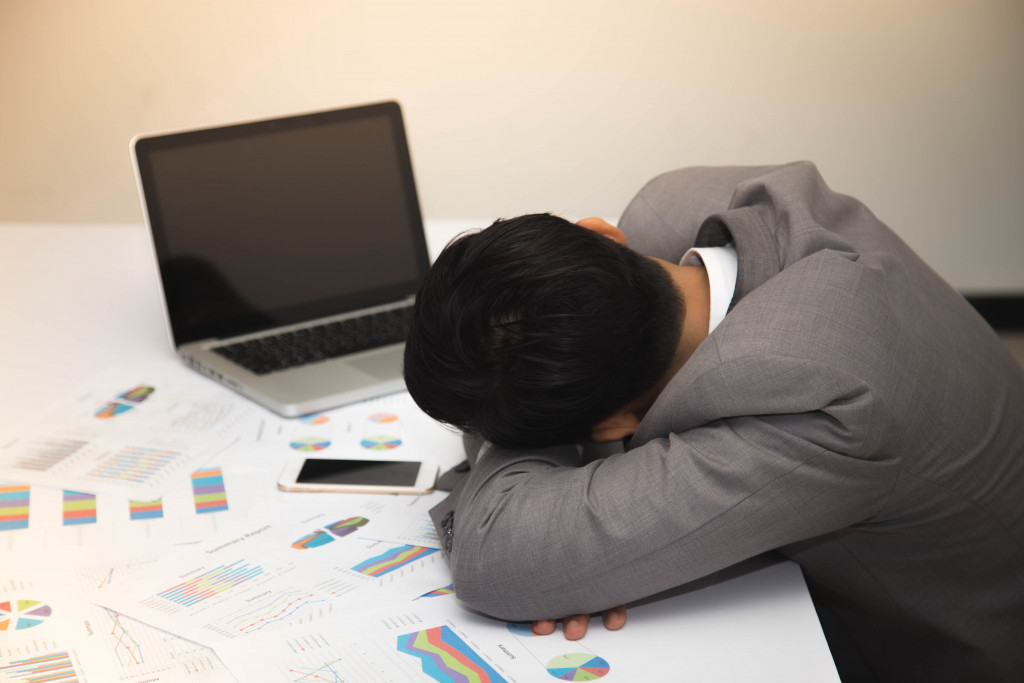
<point>289,250</point>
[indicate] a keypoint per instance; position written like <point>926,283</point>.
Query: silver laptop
<point>290,251</point>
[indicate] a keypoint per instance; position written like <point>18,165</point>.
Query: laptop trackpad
<point>383,365</point>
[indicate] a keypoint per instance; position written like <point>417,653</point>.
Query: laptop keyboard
<point>312,344</point>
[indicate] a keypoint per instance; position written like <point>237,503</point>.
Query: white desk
<point>75,299</point>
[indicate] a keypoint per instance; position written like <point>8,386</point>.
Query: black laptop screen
<point>277,222</point>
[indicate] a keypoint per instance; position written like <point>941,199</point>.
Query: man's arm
<point>539,535</point>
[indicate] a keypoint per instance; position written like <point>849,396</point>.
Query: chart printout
<point>36,520</point>
<point>49,634</point>
<point>276,574</point>
<point>132,436</point>
<point>688,637</point>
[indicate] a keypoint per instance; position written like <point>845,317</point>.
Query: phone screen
<point>360,472</point>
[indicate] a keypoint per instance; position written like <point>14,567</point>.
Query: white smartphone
<point>351,475</point>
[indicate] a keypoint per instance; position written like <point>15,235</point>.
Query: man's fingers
<point>575,627</point>
<point>544,627</point>
<point>614,618</point>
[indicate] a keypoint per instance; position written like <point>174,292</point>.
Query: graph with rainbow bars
<point>54,667</point>
<point>13,507</point>
<point>135,463</point>
<point>446,657</point>
<point>43,454</point>
<point>392,559</point>
<point>208,491</point>
<point>211,583</point>
<point>146,509</point>
<point>78,508</point>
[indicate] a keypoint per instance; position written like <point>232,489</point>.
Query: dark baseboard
<point>1002,312</point>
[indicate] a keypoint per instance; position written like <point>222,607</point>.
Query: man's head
<point>533,330</point>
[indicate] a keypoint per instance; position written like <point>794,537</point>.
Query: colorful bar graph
<point>41,455</point>
<point>211,583</point>
<point>79,508</point>
<point>135,463</point>
<point>393,559</point>
<point>208,491</point>
<point>55,667</point>
<point>13,507</point>
<point>141,509</point>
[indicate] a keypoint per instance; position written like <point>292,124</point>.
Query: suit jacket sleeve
<point>540,534</point>
<point>664,218</point>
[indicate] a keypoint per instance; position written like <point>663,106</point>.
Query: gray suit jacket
<point>851,411</point>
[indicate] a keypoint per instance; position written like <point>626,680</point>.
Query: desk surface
<point>78,299</point>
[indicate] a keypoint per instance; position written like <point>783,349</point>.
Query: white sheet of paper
<point>384,428</point>
<point>276,574</point>
<point>128,433</point>
<point>66,521</point>
<point>50,634</point>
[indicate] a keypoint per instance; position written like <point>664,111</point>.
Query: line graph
<point>126,648</point>
<point>288,605</point>
<point>325,673</point>
<point>280,607</point>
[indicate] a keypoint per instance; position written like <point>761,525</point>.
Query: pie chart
<point>346,526</point>
<point>310,443</point>
<point>578,667</point>
<point>383,418</point>
<point>313,540</point>
<point>22,614</point>
<point>111,409</point>
<point>380,443</point>
<point>521,628</point>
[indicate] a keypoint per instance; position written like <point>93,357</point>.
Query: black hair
<point>531,331</point>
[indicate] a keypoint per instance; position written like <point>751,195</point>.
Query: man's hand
<point>575,627</point>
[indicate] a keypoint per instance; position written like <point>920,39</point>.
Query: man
<point>849,410</point>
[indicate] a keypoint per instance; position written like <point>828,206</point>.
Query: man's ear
<point>603,227</point>
<point>615,427</point>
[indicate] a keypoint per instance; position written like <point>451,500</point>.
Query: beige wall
<point>916,106</point>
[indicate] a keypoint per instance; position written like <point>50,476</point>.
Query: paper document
<point>272,575</point>
<point>727,632</point>
<point>128,434</point>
